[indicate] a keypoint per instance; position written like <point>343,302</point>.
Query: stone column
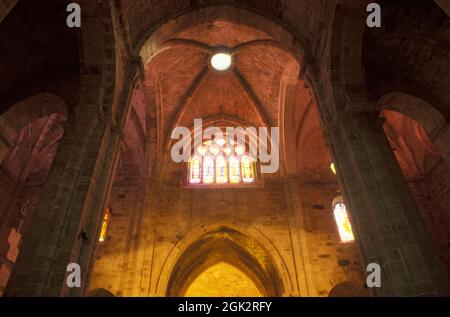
<point>299,245</point>
<point>97,218</point>
<point>70,200</point>
<point>388,225</point>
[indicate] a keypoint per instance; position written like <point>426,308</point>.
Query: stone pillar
<point>389,228</point>
<point>96,219</point>
<point>299,245</point>
<point>64,224</point>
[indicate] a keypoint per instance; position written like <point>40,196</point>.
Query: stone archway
<point>424,168</point>
<point>162,37</point>
<point>225,245</point>
<point>153,40</point>
<point>427,116</point>
<point>198,18</point>
<point>415,108</point>
<point>25,112</point>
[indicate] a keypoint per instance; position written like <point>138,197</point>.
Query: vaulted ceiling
<point>409,53</point>
<point>252,93</point>
<point>188,89</point>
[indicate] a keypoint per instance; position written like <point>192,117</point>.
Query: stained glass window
<point>208,169</point>
<point>235,169</point>
<point>247,170</point>
<point>105,225</point>
<point>342,221</point>
<point>333,168</point>
<point>221,162</point>
<point>195,170</point>
<point>221,170</point>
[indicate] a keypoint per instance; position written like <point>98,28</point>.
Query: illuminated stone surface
<point>84,127</point>
<point>222,280</point>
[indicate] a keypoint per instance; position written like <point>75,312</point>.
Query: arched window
<point>221,163</point>
<point>221,170</point>
<point>105,225</point>
<point>195,170</point>
<point>208,169</point>
<point>247,170</point>
<point>235,169</point>
<point>342,221</point>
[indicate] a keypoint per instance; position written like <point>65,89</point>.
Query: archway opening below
<point>223,280</point>
<point>224,262</point>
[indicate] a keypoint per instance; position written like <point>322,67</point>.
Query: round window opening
<point>221,62</point>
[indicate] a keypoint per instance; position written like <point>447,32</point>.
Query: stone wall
<point>149,232</point>
<point>23,172</point>
<point>331,261</point>
<point>432,194</point>
<point>113,262</point>
<point>16,215</point>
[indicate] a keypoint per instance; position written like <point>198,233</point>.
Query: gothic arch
<point>154,40</point>
<point>33,108</point>
<point>25,112</point>
<point>275,273</point>
<point>415,108</point>
<point>160,37</point>
<point>428,117</point>
<point>224,120</point>
<point>224,245</point>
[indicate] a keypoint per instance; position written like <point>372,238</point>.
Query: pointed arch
<point>224,244</point>
<point>415,108</point>
<point>154,40</point>
<point>275,272</point>
<point>25,112</point>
